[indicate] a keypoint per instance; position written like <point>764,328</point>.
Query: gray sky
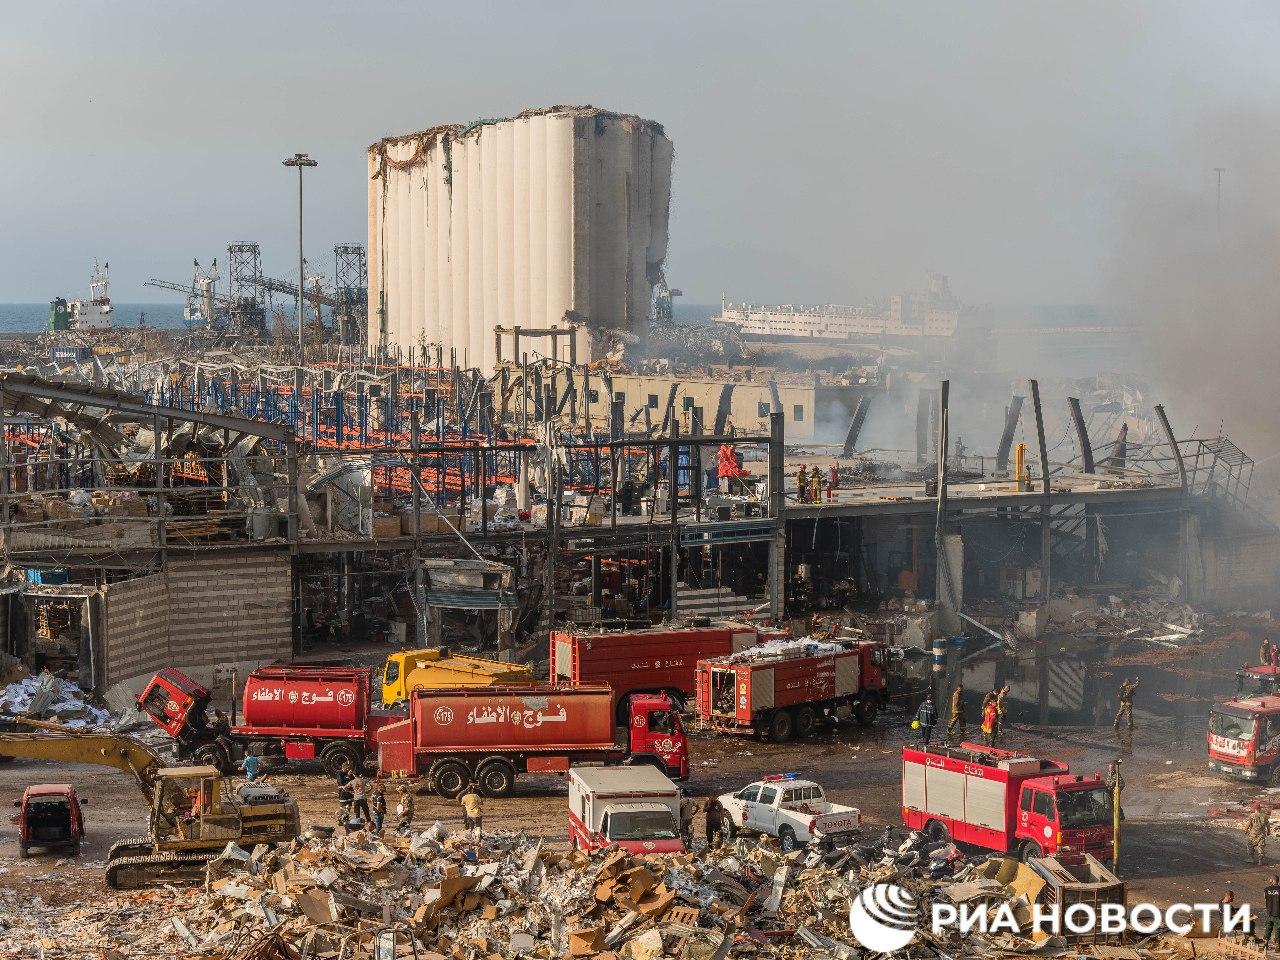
<point>823,151</point>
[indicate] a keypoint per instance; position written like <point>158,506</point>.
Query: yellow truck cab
<point>438,667</point>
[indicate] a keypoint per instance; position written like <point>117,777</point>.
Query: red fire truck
<point>1259,681</point>
<point>661,660</point>
<point>1005,801</point>
<point>1244,738</point>
<point>294,712</point>
<point>491,734</point>
<point>785,689</point>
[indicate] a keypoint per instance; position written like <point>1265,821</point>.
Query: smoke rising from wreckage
<point>719,550</point>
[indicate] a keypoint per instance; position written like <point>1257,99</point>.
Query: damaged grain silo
<point>516,223</point>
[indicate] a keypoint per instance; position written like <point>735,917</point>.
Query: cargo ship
<point>94,316</point>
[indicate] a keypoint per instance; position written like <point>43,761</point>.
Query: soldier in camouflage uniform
<point>1127,690</point>
<point>1256,829</point>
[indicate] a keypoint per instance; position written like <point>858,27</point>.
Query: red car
<point>49,816</point>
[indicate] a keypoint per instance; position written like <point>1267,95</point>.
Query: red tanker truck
<point>660,660</point>
<point>294,712</point>
<point>490,735</point>
<point>782,690</point>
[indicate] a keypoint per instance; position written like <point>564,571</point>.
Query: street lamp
<point>300,160</point>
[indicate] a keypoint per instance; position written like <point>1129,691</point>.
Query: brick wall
<point>137,628</point>
<point>228,608</point>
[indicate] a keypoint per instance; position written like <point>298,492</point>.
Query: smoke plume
<point>1203,286</point>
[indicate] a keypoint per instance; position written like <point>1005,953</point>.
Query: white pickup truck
<point>795,811</point>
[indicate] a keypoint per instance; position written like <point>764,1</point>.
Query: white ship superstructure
<point>96,314</point>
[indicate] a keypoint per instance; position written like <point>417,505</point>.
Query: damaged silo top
<point>520,222</point>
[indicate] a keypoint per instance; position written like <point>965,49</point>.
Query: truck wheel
<point>212,755</point>
<point>728,827</point>
<point>450,779</point>
<point>866,710</point>
<point>496,778</point>
<point>335,756</point>
<point>787,838</point>
<point>937,832</point>
<point>781,727</point>
<point>806,722</point>
<point>1031,851</point>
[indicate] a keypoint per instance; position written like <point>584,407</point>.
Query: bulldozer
<point>193,815</point>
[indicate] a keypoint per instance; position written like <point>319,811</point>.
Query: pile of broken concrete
<point>443,896</point>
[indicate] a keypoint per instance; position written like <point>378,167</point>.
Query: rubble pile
<point>1162,622</point>
<point>694,344</point>
<point>48,697</point>
<point>443,896</point>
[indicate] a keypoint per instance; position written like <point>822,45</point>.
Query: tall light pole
<point>300,160</point>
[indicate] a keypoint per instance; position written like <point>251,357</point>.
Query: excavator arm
<point>54,742</point>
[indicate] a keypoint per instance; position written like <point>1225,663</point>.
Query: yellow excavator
<point>193,811</point>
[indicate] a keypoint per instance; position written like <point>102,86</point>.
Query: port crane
<point>203,302</point>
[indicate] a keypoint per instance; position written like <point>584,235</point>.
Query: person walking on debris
<point>926,717</point>
<point>957,713</point>
<point>379,805</point>
<point>1271,900</point>
<point>360,799</point>
<point>712,816</point>
<point>1255,830</point>
<point>989,721</point>
<point>472,812</point>
<point>1127,690</point>
<point>404,808</point>
<point>345,797</point>
<point>1001,696</point>
<point>987,698</point>
<point>688,811</point>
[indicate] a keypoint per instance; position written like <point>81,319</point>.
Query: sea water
<point>34,317</point>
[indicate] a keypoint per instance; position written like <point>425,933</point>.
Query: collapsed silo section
<point>550,218</point>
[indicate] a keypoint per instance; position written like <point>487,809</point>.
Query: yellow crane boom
<point>104,749</point>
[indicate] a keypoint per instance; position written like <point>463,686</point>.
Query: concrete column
<point>1190,562</point>
<point>522,481</point>
<point>777,510</point>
